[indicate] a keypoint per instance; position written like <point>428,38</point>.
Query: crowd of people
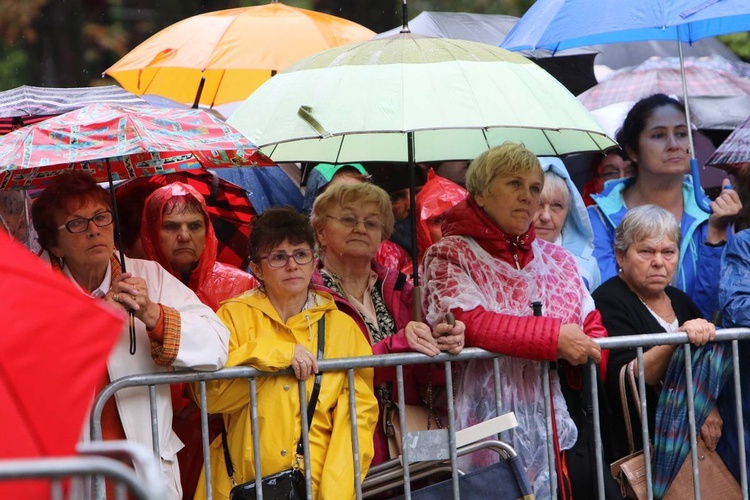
<point>512,261</point>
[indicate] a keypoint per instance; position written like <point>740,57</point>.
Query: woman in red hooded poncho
<point>176,232</point>
<point>212,281</point>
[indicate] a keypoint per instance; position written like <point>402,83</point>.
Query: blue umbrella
<point>562,24</point>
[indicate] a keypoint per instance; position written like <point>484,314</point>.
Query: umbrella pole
<point>405,18</point>
<point>118,233</point>
<point>700,197</point>
<point>417,291</point>
<point>197,101</point>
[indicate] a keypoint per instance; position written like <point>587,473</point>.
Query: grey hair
<point>644,222</point>
<point>554,183</point>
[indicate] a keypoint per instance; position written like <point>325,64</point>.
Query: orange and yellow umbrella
<point>235,50</point>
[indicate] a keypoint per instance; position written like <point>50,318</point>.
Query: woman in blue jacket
<point>655,137</point>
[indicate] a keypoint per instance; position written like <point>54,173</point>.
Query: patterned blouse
<point>385,326</point>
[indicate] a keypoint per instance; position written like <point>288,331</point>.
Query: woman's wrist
<point>716,236</point>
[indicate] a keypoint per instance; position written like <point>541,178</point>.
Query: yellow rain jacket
<point>259,338</point>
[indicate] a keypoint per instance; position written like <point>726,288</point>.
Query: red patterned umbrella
<point>117,142</point>
<point>734,152</point>
<point>706,77</point>
<point>130,141</point>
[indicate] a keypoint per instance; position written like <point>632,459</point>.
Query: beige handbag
<point>418,418</point>
<point>716,482</point>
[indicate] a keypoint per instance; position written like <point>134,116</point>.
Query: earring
<point>619,269</point>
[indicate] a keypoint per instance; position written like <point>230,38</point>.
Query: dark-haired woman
<point>273,327</point>
<point>655,137</point>
<point>173,329</point>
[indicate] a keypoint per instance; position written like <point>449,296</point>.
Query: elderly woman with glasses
<point>274,327</point>
<point>173,329</point>
<point>350,221</point>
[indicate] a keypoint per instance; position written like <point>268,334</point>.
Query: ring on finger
<point>116,297</point>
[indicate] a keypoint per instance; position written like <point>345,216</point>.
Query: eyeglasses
<point>352,222</point>
<point>611,172</point>
<point>82,224</point>
<point>281,258</point>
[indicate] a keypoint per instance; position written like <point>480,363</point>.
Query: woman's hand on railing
<point>699,331</point>
<point>304,363</point>
<point>450,338</point>
<point>575,347</point>
<point>420,339</point>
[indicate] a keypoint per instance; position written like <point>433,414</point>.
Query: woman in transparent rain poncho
<point>487,270</point>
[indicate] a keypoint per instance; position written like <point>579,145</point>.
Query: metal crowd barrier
<point>93,459</point>
<point>399,360</point>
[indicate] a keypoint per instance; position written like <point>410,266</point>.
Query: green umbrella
<point>362,102</point>
<point>409,98</point>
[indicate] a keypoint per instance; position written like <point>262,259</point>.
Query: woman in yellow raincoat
<point>273,327</point>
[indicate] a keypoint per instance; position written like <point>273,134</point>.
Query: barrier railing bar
<point>550,435</point>
<point>452,426</point>
<point>402,422</point>
<point>598,453</point>
<point>691,419</point>
<point>644,425</point>
<point>740,421</point>
<point>154,421</point>
<point>305,437</point>
<point>498,390</point>
<point>74,466</point>
<point>256,437</point>
<point>354,433</point>
<point>205,445</point>
<point>56,490</point>
<point>398,360</point>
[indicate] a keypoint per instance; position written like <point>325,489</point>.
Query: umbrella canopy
<point>229,208</point>
<point>573,68</point>
<point>562,24</point>
<point>735,150</point>
<point>26,105</point>
<point>622,55</point>
<point>46,389</point>
<point>235,50</point>
<point>131,141</point>
<point>718,93</point>
<point>454,98</point>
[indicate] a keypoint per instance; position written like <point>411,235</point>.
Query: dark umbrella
<point>573,68</point>
<point>228,205</point>
<point>26,105</point>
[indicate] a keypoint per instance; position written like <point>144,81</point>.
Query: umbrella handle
<point>700,197</point>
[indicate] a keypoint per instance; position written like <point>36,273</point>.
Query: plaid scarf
<point>712,365</point>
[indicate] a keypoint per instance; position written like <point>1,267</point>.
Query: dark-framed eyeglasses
<point>81,224</point>
<point>351,222</point>
<point>280,259</point>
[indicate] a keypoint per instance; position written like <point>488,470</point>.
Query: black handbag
<point>288,484</point>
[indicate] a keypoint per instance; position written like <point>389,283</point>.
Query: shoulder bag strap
<point>316,387</point>
<point>626,409</point>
